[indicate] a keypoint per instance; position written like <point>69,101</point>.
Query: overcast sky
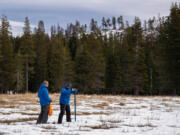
<point>67,11</point>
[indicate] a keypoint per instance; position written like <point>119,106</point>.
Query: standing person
<point>64,102</point>
<point>44,98</point>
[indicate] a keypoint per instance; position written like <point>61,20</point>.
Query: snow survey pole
<point>75,106</point>
<point>74,88</point>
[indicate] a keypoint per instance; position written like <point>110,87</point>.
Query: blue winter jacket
<point>65,95</point>
<point>43,95</point>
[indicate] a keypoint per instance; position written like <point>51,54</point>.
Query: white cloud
<point>17,27</point>
<point>142,8</point>
<point>54,10</point>
<point>19,24</point>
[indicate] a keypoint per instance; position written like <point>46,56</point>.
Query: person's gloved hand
<point>74,90</point>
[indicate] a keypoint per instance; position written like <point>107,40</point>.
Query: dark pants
<point>64,108</point>
<point>43,116</point>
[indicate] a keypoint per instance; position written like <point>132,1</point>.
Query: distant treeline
<point>111,58</point>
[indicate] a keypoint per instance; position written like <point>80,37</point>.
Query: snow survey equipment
<point>75,106</point>
<point>74,88</point>
<point>50,110</point>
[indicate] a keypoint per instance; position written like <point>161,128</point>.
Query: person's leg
<point>39,120</point>
<point>68,113</point>
<point>62,108</point>
<point>45,114</point>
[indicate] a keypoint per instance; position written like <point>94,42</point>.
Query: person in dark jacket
<point>64,102</point>
<point>44,98</point>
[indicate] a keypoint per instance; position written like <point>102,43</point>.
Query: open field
<point>96,115</point>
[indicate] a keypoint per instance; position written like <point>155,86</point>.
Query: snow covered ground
<point>96,115</point>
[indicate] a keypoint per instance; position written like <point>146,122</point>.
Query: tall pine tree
<point>7,67</point>
<point>27,50</point>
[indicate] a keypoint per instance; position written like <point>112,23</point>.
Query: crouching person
<point>44,98</point>
<point>64,102</point>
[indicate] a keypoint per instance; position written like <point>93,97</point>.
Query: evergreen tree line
<point>112,58</point>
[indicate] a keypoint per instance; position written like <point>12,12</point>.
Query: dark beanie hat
<point>68,84</point>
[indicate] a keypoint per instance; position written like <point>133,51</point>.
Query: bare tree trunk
<point>27,74</point>
<point>151,84</point>
<point>175,92</point>
<point>136,91</point>
<point>17,85</point>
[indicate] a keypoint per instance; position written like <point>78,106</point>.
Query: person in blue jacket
<point>44,98</point>
<point>64,102</point>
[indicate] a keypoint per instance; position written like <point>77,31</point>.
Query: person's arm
<point>38,93</point>
<point>74,91</point>
<point>46,95</point>
<point>64,91</point>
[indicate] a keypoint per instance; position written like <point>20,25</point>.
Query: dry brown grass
<point>165,99</point>
<point>177,101</point>
<point>174,126</point>
<point>154,107</point>
<point>29,99</point>
<point>3,101</point>
<point>143,106</point>
<point>92,113</point>
<point>18,99</point>
<point>8,106</point>
<point>37,109</point>
<point>33,97</point>
<point>5,113</point>
<point>17,120</point>
<point>113,108</point>
<point>100,113</point>
<point>146,125</point>
<point>129,102</point>
<point>90,98</point>
<point>24,113</point>
<point>122,104</point>
<point>112,120</point>
<point>100,105</point>
<point>102,126</point>
<point>132,108</point>
<point>49,127</point>
<point>166,104</point>
<point>81,113</point>
<point>140,125</point>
